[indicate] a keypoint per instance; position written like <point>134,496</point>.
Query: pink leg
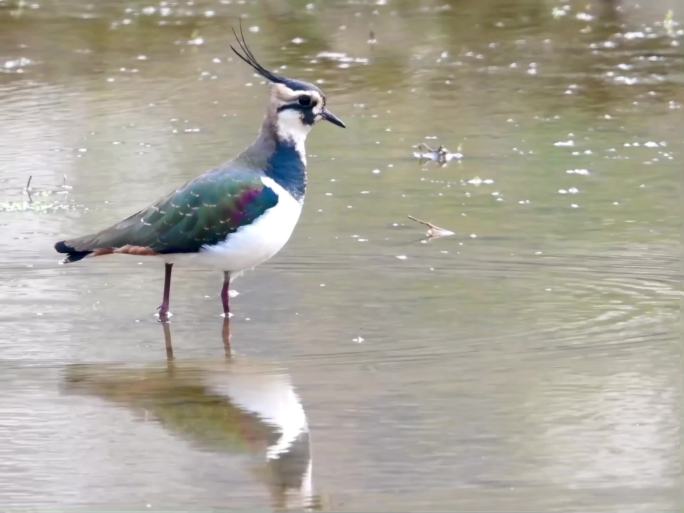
<point>164,307</point>
<point>225,293</point>
<point>225,335</point>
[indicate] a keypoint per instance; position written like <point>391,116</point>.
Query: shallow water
<point>532,361</point>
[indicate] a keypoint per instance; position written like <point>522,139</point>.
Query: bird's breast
<point>258,241</point>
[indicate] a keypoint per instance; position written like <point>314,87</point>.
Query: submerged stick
<point>28,188</point>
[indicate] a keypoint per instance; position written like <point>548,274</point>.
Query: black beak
<point>329,116</point>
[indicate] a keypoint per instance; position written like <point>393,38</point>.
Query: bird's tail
<point>72,254</point>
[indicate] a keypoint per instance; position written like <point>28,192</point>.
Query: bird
<point>235,216</point>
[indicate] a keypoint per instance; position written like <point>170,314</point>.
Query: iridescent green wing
<point>203,212</point>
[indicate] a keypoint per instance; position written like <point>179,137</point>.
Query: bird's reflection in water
<point>233,406</point>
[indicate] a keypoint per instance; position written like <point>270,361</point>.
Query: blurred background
<point>531,361</point>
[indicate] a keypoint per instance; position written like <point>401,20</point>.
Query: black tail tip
<point>72,254</point>
<point>61,247</point>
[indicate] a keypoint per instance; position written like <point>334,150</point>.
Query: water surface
<point>531,361</point>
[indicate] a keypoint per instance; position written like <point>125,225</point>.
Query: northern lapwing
<point>233,217</point>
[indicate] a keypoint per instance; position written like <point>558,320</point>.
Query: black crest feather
<point>246,55</point>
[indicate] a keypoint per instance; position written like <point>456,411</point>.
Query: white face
<point>296,112</point>
<point>291,127</point>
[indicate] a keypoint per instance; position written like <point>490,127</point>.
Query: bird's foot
<point>163,314</point>
<point>226,295</point>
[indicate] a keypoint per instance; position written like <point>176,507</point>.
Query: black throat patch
<point>286,168</point>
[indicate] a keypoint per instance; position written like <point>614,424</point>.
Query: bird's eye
<point>306,101</point>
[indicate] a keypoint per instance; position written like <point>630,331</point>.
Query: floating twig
<point>434,231</point>
<point>64,185</point>
<point>64,188</point>
<point>441,154</point>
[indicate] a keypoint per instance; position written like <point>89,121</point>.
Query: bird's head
<point>295,105</point>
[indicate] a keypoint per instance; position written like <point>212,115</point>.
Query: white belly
<point>252,244</point>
